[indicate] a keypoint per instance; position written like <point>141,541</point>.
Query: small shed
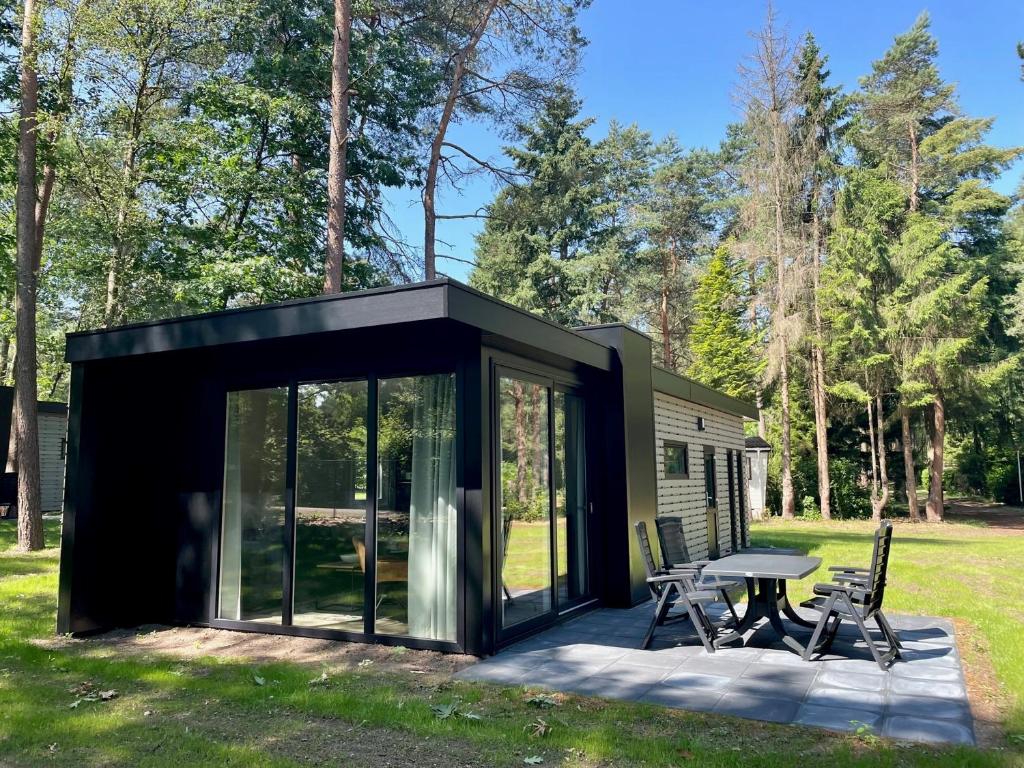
<point>757,473</point>
<point>53,430</point>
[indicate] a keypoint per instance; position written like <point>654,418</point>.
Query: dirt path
<point>998,516</point>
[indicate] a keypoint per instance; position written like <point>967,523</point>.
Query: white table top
<point>763,566</point>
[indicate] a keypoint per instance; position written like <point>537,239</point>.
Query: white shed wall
<point>676,419</point>
<point>53,428</point>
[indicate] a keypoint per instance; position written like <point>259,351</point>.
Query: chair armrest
<point>856,581</point>
<point>663,578</point>
<point>849,589</point>
<point>685,569</point>
<point>848,569</point>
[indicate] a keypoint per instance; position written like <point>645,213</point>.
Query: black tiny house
<point>419,465</point>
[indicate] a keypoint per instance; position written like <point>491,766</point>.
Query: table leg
<point>776,599</point>
<point>790,611</point>
<point>753,612</point>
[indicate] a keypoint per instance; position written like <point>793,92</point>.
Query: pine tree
<point>722,348</point>
<point>820,123</point>
<point>910,129</point>
<point>537,231</point>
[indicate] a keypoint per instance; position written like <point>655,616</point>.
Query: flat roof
<point>442,299</point>
<point>670,383</point>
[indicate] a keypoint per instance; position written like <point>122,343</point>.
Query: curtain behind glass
<point>432,524</point>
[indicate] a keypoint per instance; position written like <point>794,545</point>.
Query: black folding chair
<point>856,594</point>
<point>676,587</point>
<point>676,556</point>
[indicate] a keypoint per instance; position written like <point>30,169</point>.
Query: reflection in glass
<point>252,525</point>
<point>330,505</point>
<point>416,519</point>
<point>570,498</point>
<point>525,500</point>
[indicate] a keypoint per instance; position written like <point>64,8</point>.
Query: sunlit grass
<point>213,712</point>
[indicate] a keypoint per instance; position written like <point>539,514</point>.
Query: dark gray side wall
<point>630,482</point>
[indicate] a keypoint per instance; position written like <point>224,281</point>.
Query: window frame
<point>685,474</point>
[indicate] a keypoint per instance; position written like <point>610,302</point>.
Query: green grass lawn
<point>224,711</point>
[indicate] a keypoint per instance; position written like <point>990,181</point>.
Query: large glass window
<point>330,505</point>
<point>525,500</point>
<point>253,524</point>
<point>416,518</point>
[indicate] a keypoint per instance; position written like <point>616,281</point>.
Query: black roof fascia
<point>393,305</point>
<point>686,389</point>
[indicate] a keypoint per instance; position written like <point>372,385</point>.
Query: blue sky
<point>671,67</point>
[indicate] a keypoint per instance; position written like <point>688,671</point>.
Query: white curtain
<point>432,516</point>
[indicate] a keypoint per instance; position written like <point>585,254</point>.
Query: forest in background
<point>841,258</point>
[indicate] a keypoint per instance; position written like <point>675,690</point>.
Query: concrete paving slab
<point>772,710</point>
<point>924,730</point>
<point>838,718</point>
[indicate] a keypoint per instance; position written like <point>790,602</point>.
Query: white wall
<point>676,419</point>
<point>53,429</point>
<point>757,463</point>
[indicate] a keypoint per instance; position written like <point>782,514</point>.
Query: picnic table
<point>766,577</point>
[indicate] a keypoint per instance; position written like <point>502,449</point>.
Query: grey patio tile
<point>666,659</point>
<point>693,699</point>
<point>922,729</point>
<point>609,688</point>
<point>746,655</point>
<point>623,670</point>
<point>936,673</point>
<point>589,652</point>
<point>837,718</point>
<point>772,710</point>
<point>714,666</point>
<point>852,680</point>
<point>776,681</point>
<point>849,698</point>
<point>681,678</point>
<point>858,666</point>
<point>786,658</point>
<point>941,690</point>
<point>928,708</point>
<point>937,655</point>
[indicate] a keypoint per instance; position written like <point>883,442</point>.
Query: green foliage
<point>722,348</point>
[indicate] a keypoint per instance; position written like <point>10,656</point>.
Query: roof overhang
<point>443,299</point>
<point>673,384</point>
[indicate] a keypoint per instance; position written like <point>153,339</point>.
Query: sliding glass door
<point>339,508</point>
<point>540,457</point>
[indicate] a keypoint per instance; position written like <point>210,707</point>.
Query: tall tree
<point>775,170</point>
<point>334,268</point>
<point>822,110</point>
<point>723,354</point>
<point>497,59</point>
<point>910,128</point>
<point>26,422</point>
<point>537,231</point>
<point>681,220</point>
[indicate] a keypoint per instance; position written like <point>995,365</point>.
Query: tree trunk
<point>880,486</point>
<point>935,506</point>
<point>818,380</point>
<point>915,183</point>
<point>25,421</point>
<point>334,265</point>
<point>908,465</point>
<point>788,497</point>
<point>430,183</point>
<point>520,433</point>
<point>762,420</point>
<point>667,358</point>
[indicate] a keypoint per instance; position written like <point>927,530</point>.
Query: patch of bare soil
<point>196,642</point>
<point>987,697</point>
<point>1003,517</point>
<point>324,741</point>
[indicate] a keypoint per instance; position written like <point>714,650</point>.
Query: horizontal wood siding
<point>676,420</point>
<point>53,429</point>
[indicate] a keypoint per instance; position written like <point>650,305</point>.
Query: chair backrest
<point>673,541</point>
<point>879,566</point>
<point>648,555</point>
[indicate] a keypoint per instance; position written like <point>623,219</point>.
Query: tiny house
<point>53,427</point>
<point>419,465</point>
